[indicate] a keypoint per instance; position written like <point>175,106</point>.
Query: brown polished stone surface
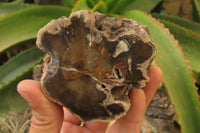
<point>93,61</point>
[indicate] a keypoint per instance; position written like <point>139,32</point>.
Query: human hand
<point>49,117</point>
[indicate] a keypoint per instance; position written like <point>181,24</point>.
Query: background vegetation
<point>178,41</point>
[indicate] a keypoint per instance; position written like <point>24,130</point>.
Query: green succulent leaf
<point>92,3</point>
<point>110,3</point>
<point>10,100</point>
<point>24,24</point>
<point>189,42</point>
<point>195,27</point>
<point>143,5</point>
<point>17,65</point>
<point>69,3</point>
<point>101,7</point>
<point>116,6</point>
<point>176,75</point>
<point>81,5</point>
<point>4,0</point>
<point>11,7</point>
<point>13,71</point>
<point>196,10</point>
<point>47,2</point>
<point>197,77</point>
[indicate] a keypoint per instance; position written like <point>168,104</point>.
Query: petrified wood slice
<point>93,61</point>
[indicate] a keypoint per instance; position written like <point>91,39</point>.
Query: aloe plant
<point>177,59</point>
<point>196,10</point>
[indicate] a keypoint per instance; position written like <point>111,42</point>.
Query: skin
<point>49,117</point>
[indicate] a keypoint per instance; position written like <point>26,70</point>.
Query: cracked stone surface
<point>93,61</point>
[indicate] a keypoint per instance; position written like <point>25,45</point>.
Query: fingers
<point>72,123</point>
<point>72,128</point>
<point>99,127</point>
<point>139,99</point>
<point>131,123</point>
<point>151,87</point>
<point>68,117</point>
<point>47,116</point>
<point>96,127</point>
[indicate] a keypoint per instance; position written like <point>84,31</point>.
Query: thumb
<point>47,117</point>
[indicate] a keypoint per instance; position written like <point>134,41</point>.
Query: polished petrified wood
<point>93,61</point>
